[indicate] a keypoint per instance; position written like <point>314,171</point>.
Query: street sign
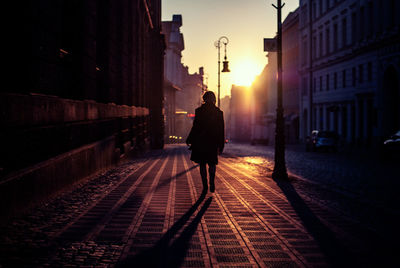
<point>270,45</point>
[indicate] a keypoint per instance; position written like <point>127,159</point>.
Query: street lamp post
<point>280,165</point>
<point>224,40</point>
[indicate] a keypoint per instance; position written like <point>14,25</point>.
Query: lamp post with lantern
<point>275,45</point>
<point>280,163</point>
<point>224,40</point>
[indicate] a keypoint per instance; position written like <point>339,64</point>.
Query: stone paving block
<point>152,210</point>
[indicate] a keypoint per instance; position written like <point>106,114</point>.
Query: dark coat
<point>207,135</point>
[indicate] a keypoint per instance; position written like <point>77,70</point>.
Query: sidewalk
<point>150,213</point>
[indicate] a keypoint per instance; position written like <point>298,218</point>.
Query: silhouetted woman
<point>207,138</point>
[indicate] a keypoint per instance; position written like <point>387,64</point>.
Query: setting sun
<point>244,73</point>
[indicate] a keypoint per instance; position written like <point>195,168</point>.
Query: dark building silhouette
<point>84,88</point>
<point>182,90</point>
<point>264,88</point>
<point>187,100</point>
<point>173,73</point>
<point>225,107</point>
<point>239,127</point>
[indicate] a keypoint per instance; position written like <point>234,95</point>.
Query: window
<point>314,9</point>
<point>335,81</point>
<point>321,40</point>
<point>344,32</point>
<point>361,73</point>
<point>370,17</point>
<point>320,83</point>
<point>315,84</point>
<point>314,47</point>
<point>305,53</point>
<point>353,27</point>
<point>304,91</point>
<point>320,8</point>
<point>327,82</point>
<point>321,118</point>
<point>369,71</point>
<point>314,117</point>
<point>362,23</point>
<point>327,45</point>
<point>344,78</point>
<point>335,37</point>
<point>354,77</point>
<point>304,17</point>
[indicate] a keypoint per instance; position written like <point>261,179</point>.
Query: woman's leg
<point>203,174</point>
<point>211,170</point>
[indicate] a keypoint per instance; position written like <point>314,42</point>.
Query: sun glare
<point>244,73</point>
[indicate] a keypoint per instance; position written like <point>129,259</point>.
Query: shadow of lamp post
<point>224,40</point>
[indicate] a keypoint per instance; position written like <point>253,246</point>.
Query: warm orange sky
<point>244,22</point>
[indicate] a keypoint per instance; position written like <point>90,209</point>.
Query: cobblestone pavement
<point>150,212</point>
<point>359,184</point>
<point>356,172</point>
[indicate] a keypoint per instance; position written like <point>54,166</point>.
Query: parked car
<point>391,146</point>
<point>319,140</point>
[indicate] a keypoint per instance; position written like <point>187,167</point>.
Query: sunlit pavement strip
<point>155,216</point>
<point>267,188</point>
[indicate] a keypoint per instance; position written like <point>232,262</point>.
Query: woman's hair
<point>209,97</point>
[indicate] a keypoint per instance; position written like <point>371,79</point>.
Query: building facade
<point>264,88</point>
<point>350,68</point>
<point>188,99</point>
<point>84,90</point>
<point>173,72</point>
<point>183,90</point>
<point>191,96</point>
<point>263,104</point>
<point>290,75</point>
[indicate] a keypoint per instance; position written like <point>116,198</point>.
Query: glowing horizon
<point>244,23</point>
<point>245,72</point>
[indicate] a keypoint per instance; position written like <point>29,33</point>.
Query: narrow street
<point>103,99</point>
<point>149,212</point>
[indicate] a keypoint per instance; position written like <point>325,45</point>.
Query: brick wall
<point>79,73</point>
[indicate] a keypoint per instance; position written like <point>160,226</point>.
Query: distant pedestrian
<point>207,138</point>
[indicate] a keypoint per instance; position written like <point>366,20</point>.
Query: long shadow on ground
<point>167,254</point>
<point>335,252</point>
<point>168,181</point>
<point>378,251</point>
